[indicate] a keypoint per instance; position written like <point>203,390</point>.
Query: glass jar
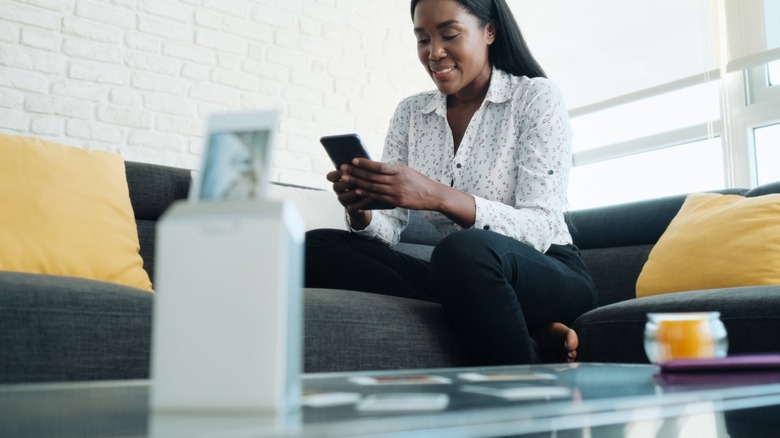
<point>685,336</point>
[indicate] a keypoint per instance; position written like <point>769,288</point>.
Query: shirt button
<point>486,227</point>
<point>458,165</point>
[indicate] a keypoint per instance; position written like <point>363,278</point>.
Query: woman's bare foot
<point>557,343</point>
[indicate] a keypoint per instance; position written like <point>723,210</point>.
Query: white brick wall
<point>139,77</point>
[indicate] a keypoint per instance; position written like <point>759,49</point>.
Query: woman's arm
<point>405,187</point>
<point>541,164</point>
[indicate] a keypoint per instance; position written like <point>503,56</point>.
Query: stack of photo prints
<point>430,393</point>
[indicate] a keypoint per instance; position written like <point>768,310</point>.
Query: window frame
<point>748,102</point>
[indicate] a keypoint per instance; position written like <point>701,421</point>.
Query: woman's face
<point>453,47</point>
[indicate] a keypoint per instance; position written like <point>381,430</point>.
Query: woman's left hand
<point>402,186</point>
<point>397,184</point>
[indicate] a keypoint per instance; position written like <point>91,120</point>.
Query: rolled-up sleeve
<point>542,159</point>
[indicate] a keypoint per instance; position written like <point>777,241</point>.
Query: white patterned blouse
<point>514,160</point>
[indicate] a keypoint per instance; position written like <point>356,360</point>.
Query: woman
<point>486,158</point>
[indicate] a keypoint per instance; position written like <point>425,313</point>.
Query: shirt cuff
<point>482,216</point>
<point>368,232</point>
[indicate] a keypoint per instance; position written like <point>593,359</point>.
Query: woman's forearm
<point>457,206</point>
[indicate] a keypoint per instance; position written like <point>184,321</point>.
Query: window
<point>767,140</point>
<point>672,111</point>
<point>763,83</point>
<point>760,60</point>
<point>691,167</point>
<point>662,100</point>
<point>642,84</point>
<point>773,69</point>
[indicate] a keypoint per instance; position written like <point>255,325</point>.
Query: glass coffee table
<point>577,400</point>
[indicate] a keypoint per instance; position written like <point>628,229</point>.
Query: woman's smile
<point>442,73</point>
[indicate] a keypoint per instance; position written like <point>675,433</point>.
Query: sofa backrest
<point>635,223</point>
<point>154,187</point>
<point>152,190</point>
<point>615,240</point>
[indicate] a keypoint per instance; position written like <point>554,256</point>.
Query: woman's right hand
<point>358,218</point>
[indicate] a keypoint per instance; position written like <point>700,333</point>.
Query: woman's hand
<point>404,187</point>
<point>396,184</point>
<point>351,201</point>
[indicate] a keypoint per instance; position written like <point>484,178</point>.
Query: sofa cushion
<point>154,187</point>
<point>716,241</point>
<point>418,250</point>
<point>420,230</point>
<point>615,333</point>
<point>349,331</point>
<point>615,270</point>
<point>56,328</point>
<point>773,187</point>
<point>67,211</point>
<point>635,223</point>
<point>152,190</point>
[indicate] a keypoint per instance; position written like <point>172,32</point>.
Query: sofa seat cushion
<point>56,328</point>
<point>615,333</point>
<point>350,331</point>
<point>418,250</point>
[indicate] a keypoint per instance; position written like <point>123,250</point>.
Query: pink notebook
<point>744,362</point>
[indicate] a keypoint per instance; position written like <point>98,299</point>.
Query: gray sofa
<point>58,328</point>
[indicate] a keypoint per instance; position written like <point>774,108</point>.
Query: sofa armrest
<point>318,208</point>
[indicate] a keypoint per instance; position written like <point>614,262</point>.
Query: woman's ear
<point>491,32</point>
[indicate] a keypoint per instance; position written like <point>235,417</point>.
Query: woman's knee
<point>320,244</point>
<point>324,235</point>
<point>460,257</point>
<point>460,247</point>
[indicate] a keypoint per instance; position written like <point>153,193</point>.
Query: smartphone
<point>342,149</point>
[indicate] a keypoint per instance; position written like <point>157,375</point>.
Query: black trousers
<point>494,289</point>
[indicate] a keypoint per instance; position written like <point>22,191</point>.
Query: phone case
<point>770,361</point>
<point>342,149</point>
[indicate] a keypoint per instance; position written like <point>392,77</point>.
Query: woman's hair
<point>509,52</point>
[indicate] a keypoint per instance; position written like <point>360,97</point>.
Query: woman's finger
<point>333,176</point>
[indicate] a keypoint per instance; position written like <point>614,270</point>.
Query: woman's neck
<point>475,92</point>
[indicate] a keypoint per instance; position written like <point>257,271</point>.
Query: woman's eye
<point>422,41</point>
<point>449,37</point>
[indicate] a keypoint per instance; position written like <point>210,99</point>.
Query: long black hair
<point>509,52</point>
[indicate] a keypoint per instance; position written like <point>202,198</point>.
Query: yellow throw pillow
<point>66,211</point>
<point>716,241</point>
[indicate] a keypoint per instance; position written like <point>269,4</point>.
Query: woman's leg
<point>341,260</point>
<point>496,291</point>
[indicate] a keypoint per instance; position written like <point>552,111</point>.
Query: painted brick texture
<point>139,77</point>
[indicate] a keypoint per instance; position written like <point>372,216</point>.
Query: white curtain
<point>596,50</point>
<point>750,45</point>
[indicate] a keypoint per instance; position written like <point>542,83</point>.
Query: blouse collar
<point>499,91</point>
